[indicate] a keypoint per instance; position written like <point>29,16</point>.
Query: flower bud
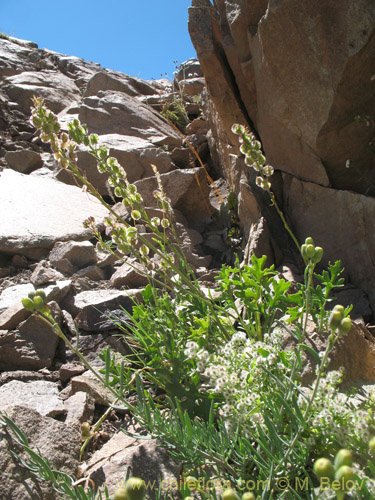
<point>31,294</point>
<point>323,468</point>
<point>28,304</point>
<point>39,303</point>
<point>41,293</point>
<point>345,326</point>
<point>310,251</point>
<point>318,255</point>
<point>309,241</point>
<point>334,320</point>
<point>135,488</point>
<point>230,494</point>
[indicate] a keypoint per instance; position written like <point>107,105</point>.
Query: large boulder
<point>55,441</point>
<point>112,112</point>
<point>36,212</point>
<point>299,75</point>
<point>58,90</point>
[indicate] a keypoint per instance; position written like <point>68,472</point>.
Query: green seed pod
<point>334,319</point>
<point>323,468</point>
<point>345,326</point>
<point>261,159</point>
<point>309,241</point>
<point>304,252</point>
<point>343,457</point>
<point>344,474</point>
<point>230,494</point>
<point>248,495</point>
<point>135,488</point>
<point>28,304</point>
<point>39,303</point>
<point>120,494</point>
<point>31,294</point>
<point>192,483</point>
<point>310,251</point>
<point>85,430</point>
<point>371,445</point>
<point>340,308</point>
<point>136,214</point>
<point>318,255</point>
<point>41,293</point>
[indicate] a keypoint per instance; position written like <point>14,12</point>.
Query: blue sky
<point>141,38</point>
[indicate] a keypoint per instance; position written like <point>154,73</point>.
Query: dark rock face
<point>299,74</point>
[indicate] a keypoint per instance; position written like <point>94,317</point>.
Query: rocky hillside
<point>304,88</point>
<point>44,244</point>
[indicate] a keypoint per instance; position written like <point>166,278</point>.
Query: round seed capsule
<point>135,488</point>
<point>323,468</point>
<point>230,494</point>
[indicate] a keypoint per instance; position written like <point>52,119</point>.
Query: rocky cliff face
<point>301,75</point>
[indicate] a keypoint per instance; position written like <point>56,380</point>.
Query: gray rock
<point>31,347</point>
<point>69,370</point>
<point>13,295</point>
<point>131,275</point>
<point>24,161</point>
<point>43,274</point>
<point>93,308</point>
<point>345,234</point>
<point>89,384</point>
<point>57,90</point>
<point>110,80</point>
<point>40,395</point>
<point>13,316</point>
<point>93,273</point>
<point>44,211</point>
<point>14,58</point>
<point>187,190</point>
<point>147,459</point>
<point>78,253</point>
<point>55,441</point>
<point>58,290</point>
<point>118,113</point>
<point>79,407</point>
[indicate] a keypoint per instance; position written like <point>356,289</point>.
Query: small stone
<point>94,273</point>
<point>80,406</point>
<point>78,253</point>
<point>89,384</point>
<point>69,370</point>
<point>39,395</point>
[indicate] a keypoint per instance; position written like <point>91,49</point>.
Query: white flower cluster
<point>235,372</point>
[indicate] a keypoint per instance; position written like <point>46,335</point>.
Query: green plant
<point>175,111</point>
<point>62,483</point>
<point>213,381</point>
